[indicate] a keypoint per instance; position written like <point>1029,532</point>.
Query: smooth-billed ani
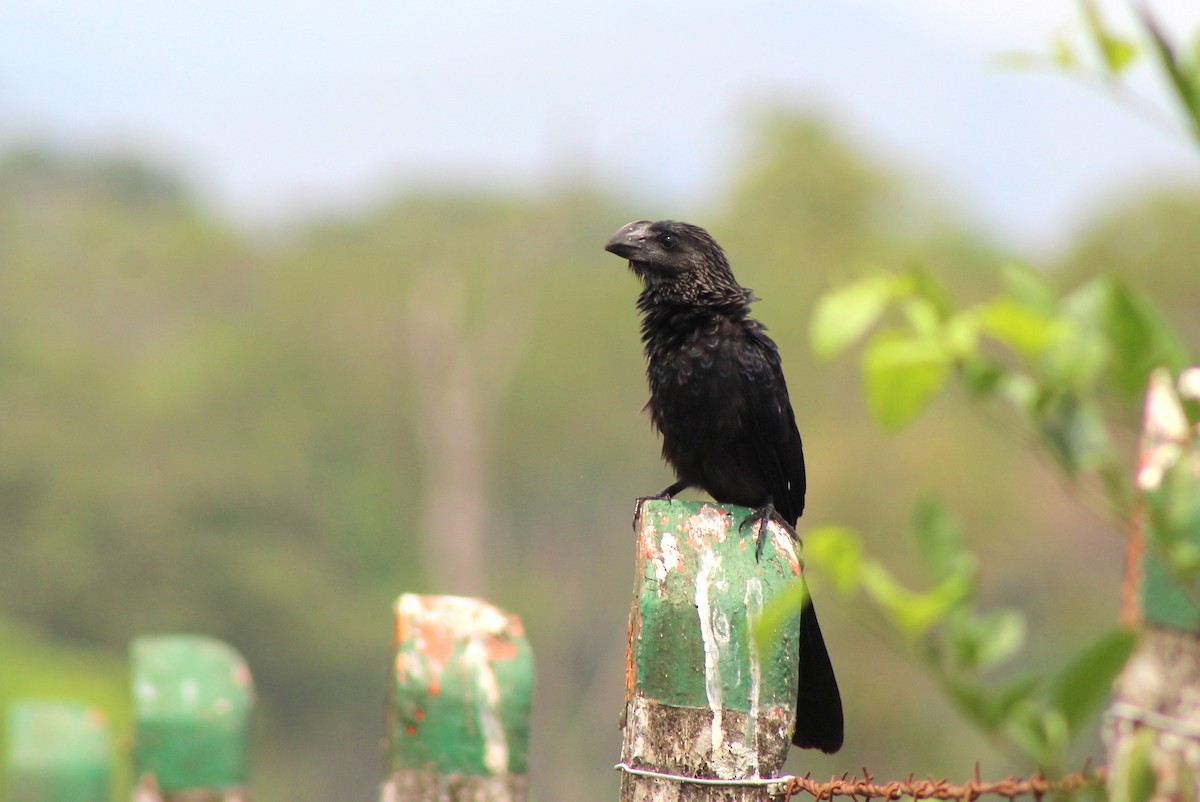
<point>720,402</point>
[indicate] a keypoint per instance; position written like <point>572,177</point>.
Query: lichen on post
<point>702,701</point>
<point>458,722</point>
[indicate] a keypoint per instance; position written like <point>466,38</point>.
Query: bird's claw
<point>641,502</point>
<point>763,516</point>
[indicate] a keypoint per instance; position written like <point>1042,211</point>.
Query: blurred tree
<point>1153,237</point>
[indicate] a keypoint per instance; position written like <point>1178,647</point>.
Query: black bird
<point>720,402</point>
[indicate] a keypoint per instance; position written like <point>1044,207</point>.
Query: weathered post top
<point>702,701</point>
<point>57,752</point>
<point>193,696</point>
<point>458,724</point>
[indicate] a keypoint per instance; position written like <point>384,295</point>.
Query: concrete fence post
<point>708,715</point>
<point>458,722</point>
<point>58,751</point>
<point>193,697</point>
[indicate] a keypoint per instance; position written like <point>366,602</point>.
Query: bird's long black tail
<point>818,702</point>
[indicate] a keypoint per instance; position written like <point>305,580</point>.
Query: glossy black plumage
<point>719,400</point>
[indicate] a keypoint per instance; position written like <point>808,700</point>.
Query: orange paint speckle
<point>501,648</point>
<point>635,622</point>
<point>419,714</point>
<point>438,643</point>
<point>410,729</point>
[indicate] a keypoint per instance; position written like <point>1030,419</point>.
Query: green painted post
<point>1166,441</point>
<point>707,716</point>
<point>58,752</point>
<point>458,722</point>
<point>193,697</point>
<point>1152,727</point>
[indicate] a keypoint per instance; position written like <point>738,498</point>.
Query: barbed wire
<point>1010,787</point>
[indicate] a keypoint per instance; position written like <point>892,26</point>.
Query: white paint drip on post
<point>472,623</point>
<point>709,562</point>
<point>718,710</point>
<point>672,560</point>
<point>495,751</point>
<point>730,758</point>
<point>754,609</point>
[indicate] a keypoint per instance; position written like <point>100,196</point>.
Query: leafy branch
<point>1108,56</point>
<point>1071,366</point>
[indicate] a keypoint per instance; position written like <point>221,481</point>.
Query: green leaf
<point>902,373</point>
<point>1116,52</point>
<point>924,284</point>
<point>838,552</point>
<point>1016,695</point>
<point>1076,358</point>
<point>1141,780</point>
<point>960,335</point>
<point>844,314</point>
<point>1021,391</point>
<point>1026,732</point>
<point>1119,53</point>
<point>1023,328</point>
<point>1086,682</point>
<point>1074,432</point>
<point>1141,339</point>
<point>912,613</point>
<point>1028,287</point>
<point>922,316</point>
<point>1062,56</point>
<point>939,542</point>
<point>777,614</point>
<point>1182,81</point>
<point>993,709</point>
<point>982,375</point>
<point>984,640</point>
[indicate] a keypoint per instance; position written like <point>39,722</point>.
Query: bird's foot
<point>762,516</point>
<point>637,508</point>
<point>667,494</point>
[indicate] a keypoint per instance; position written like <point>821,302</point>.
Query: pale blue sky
<point>277,107</point>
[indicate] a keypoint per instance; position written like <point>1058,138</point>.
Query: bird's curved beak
<point>628,240</point>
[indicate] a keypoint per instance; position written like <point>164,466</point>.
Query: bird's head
<point>678,260</point>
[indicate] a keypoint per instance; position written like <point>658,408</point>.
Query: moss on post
<point>702,702</point>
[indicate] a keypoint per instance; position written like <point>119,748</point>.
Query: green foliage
<point>959,641</point>
<point>1108,56</point>
<point>1071,366</point>
<point>1052,358</point>
<point>1085,682</point>
<point>1139,780</point>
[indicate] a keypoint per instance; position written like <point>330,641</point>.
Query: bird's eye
<point>667,241</point>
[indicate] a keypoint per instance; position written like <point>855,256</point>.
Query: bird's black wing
<point>780,454</point>
<point>771,425</point>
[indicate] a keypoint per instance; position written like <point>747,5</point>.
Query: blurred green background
<point>266,437</point>
<point>265,432</point>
